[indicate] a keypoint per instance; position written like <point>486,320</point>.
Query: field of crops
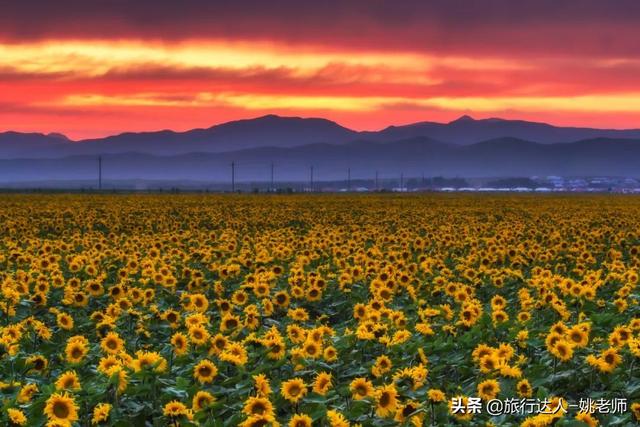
<point>134,310</point>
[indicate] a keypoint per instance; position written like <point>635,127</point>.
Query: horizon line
<point>465,116</point>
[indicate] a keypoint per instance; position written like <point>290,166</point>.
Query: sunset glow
<point>87,85</point>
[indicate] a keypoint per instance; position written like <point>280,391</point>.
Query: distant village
<point>534,184</point>
<point>558,184</point>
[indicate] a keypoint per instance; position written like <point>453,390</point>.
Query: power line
<point>99,172</point>
<point>272,186</point>
<point>233,177</point>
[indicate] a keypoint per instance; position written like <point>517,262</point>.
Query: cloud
<point>134,65</point>
<point>496,27</point>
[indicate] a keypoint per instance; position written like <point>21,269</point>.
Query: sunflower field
<point>318,310</point>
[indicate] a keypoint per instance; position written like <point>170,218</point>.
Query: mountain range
<point>463,147</point>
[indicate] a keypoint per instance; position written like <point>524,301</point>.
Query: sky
<point>95,68</point>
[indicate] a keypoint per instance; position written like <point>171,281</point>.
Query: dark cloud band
<point>540,27</point>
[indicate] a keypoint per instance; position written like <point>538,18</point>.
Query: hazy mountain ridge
<point>503,157</point>
<point>262,131</point>
<point>276,131</point>
<point>467,130</point>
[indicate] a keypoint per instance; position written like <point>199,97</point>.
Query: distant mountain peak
<point>463,119</point>
<point>274,120</point>
<point>57,135</point>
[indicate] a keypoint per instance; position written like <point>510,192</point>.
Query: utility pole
<point>311,178</point>
<point>377,187</point>
<point>272,187</point>
<point>233,177</point>
<point>401,181</point>
<point>349,179</point>
<point>99,172</point>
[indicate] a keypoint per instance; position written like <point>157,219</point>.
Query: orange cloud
<point>88,88</point>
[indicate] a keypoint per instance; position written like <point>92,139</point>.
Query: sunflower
<point>64,321</point>
<point>149,359</point>
<point>499,316</point>
<point>262,386</point>
<point>336,419</point>
<point>224,305</point>
<point>480,351</point>
<point>26,393</point>
<point>252,321</point>
<point>300,420</point>
<point>489,363</point>
<point>180,343</point>
<point>322,383</point>
<point>635,409</point>
<point>610,359</point>
<point>296,333</point>
<point>120,377</point>
<point>16,417</point>
<point>76,351</point>
<point>199,302</point>
<point>299,314</point>
<point>229,323</point>
<point>205,371</point>
<point>524,388</point>
<point>293,390</point>
<point>330,354</point>
<point>578,337</point>
<point>198,335</point>
<point>386,400</point>
<point>174,409</point>
<point>202,400</point>
<point>258,406</point>
<point>261,290</point>
<point>281,299</point>
<point>361,388</point>
<point>551,340</point>
<point>112,343</point>
<point>634,346</point>
<point>37,363</point>
<point>311,349</point>
<point>258,421</point>
<point>563,350</point>
<point>218,344</point>
<point>173,317</point>
<point>524,316</point>
<point>587,418</point>
<point>101,413</point>
<point>239,298</point>
<point>68,381</point>
<point>61,408</point>
<point>488,389</point>
<point>382,366</point>
<point>94,288</point>
<point>407,411</point>
<point>106,363</point>
<point>436,395</point>
<point>314,294</point>
<point>277,348</point>
<point>235,353</point>
<point>559,328</point>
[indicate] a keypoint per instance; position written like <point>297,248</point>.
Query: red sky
<point>90,69</point>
